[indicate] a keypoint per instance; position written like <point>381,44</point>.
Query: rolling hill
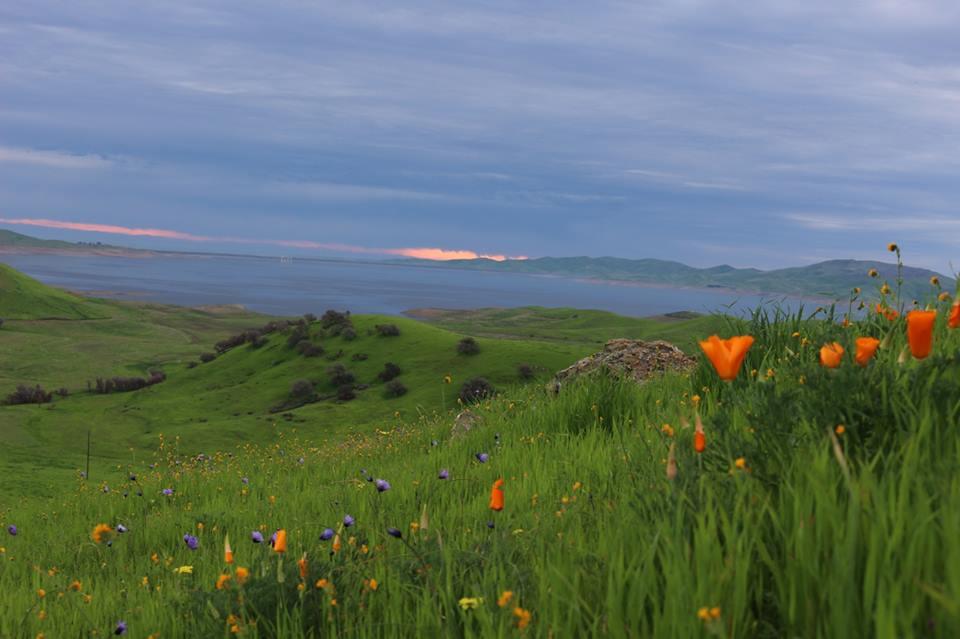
<point>832,279</point>
<point>22,297</point>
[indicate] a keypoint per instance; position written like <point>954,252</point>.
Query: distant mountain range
<point>832,279</point>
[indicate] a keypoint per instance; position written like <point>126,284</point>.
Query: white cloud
<point>53,159</point>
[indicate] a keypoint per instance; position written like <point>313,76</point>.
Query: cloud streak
<point>424,253</point>
<point>53,159</point>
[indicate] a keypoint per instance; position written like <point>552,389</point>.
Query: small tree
<point>348,334</point>
<point>468,346</point>
<point>389,372</point>
<point>388,330</point>
<point>340,376</point>
<point>394,389</point>
<point>525,371</point>
<point>475,390</point>
<point>207,357</point>
<point>1,322</point>
<point>309,349</point>
<point>345,393</point>
<point>301,389</point>
<point>309,318</point>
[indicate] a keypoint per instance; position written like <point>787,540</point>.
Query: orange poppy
<point>866,347</point>
<point>280,545</point>
<point>303,566</point>
<point>727,355</point>
<point>699,438</point>
<point>496,495</point>
<point>954,321</point>
<point>831,355</point>
<point>227,551</point>
<point>920,332</point>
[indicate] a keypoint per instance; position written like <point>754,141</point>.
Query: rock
<point>465,421</point>
<point>631,358</point>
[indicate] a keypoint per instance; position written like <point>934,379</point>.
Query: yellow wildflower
<point>469,603</point>
<point>184,570</point>
<point>740,463</point>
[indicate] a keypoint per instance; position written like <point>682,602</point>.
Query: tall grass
<point>819,531</point>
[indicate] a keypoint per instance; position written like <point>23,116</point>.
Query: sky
<point>769,133</point>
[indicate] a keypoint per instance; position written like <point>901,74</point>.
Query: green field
<point>229,400</point>
<point>825,504</point>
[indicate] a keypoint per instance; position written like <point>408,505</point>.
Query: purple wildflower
<point>394,532</point>
<point>245,480</point>
<point>300,461</point>
<point>348,520</point>
<point>482,457</point>
<point>444,474</point>
<point>434,443</point>
<point>256,537</point>
<point>121,628</point>
<point>167,491</point>
<point>133,477</point>
<point>327,534</point>
<point>121,528</point>
<point>273,537</point>
<point>106,488</point>
<point>383,485</point>
<point>192,542</point>
<point>490,524</point>
<point>12,529</point>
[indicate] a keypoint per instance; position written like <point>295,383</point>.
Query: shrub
<point>340,376</point>
<point>359,357</point>
<point>105,386</point>
<point>191,364</point>
<point>387,330</point>
<point>395,389</point>
<point>390,371</point>
<point>345,393</point>
<point>26,395</point>
<point>63,392</point>
<point>297,335</point>
<point>309,349</point>
<point>475,390</point>
<point>1,322</point>
<point>301,389</point>
<point>207,357</point>
<point>257,341</point>
<point>333,318</point>
<point>468,346</point>
<point>348,334</point>
<point>309,318</point>
<point>525,371</point>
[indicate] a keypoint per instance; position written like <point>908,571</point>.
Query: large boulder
<point>465,421</point>
<point>630,358</point>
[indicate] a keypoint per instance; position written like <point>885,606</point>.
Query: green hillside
<point>22,297</point>
<point>572,325</point>
<point>12,238</point>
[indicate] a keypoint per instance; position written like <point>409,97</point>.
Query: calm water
<point>269,286</point>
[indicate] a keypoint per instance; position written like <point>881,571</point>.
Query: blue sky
<point>767,134</point>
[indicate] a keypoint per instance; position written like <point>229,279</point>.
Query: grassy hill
<point>22,297</point>
<point>824,503</point>
<point>571,325</point>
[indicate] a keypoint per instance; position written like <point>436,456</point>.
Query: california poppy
<point>727,355</point>
<point>831,355</point>
<point>699,438</point>
<point>280,545</point>
<point>496,495</point>
<point>920,332</point>
<point>303,566</point>
<point>227,551</point>
<point>954,321</point>
<point>866,347</point>
<point>672,462</point>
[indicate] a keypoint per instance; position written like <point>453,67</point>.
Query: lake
<point>293,288</point>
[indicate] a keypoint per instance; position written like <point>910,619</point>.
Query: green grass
<point>22,297</point>
<point>571,325</point>
<point>806,538</point>
<point>786,524</point>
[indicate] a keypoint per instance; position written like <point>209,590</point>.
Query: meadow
<point>820,498</point>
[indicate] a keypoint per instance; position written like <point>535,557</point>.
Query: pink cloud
<point>439,254</point>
